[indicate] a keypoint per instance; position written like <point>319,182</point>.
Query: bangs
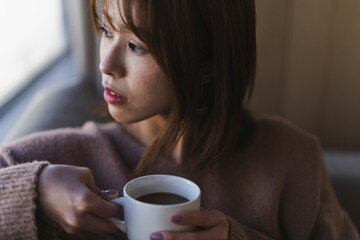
<point>135,15</point>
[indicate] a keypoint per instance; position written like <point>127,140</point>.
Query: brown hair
<point>207,48</point>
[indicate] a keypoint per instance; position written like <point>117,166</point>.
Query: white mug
<point>142,219</point>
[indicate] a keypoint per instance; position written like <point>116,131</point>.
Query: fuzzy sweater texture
<point>275,187</point>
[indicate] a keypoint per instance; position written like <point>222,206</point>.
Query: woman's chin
<point>117,115</point>
<point>121,116</point>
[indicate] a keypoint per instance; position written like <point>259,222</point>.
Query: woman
<point>177,76</point>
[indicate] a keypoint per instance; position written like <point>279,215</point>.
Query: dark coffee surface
<point>162,198</point>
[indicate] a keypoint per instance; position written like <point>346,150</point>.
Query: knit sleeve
<point>19,174</point>
<point>332,222</point>
<point>18,200</point>
<point>334,225</point>
<point>238,231</point>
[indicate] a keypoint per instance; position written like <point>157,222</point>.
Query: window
<point>32,38</point>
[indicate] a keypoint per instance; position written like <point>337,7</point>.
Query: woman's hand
<point>214,225</point>
<point>69,196</point>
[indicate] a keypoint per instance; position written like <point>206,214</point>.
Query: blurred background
<point>48,66</point>
<point>309,67</point>
<point>32,38</point>
<point>308,72</point>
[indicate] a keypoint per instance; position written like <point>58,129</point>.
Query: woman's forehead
<point>112,9</point>
<point>112,12</point>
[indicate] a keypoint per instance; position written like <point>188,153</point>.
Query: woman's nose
<point>111,62</point>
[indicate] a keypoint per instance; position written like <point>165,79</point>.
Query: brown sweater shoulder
<point>282,144</point>
<point>294,156</point>
<point>282,130</point>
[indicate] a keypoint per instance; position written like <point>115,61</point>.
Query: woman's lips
<point>113,97</point>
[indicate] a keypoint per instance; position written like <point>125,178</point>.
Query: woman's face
<point>136,88</point>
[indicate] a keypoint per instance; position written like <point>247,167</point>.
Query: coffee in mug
<point>162,198</point>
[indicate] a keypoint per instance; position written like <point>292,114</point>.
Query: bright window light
<point>32,36</point>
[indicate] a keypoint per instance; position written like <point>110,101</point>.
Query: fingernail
<point>156,236</point>
<point>177,218</point>
<point>112,193</point>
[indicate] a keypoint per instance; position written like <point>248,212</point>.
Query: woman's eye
<point>135,48</point>
<point>105,32</point>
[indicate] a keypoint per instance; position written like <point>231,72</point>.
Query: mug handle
<point>118,223</point>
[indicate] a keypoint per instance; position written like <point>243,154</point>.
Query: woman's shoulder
<point>62,143</point>
<point>282,130</point>
<point>88,134</point>
<point>67,137</point>
<point>87,131</point>
<point>282,153</point>
<point>282,141</point>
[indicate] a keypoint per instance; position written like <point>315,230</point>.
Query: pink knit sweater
<point>274,188</point>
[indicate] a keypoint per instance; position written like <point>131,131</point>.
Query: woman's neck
<point>145,131</point>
